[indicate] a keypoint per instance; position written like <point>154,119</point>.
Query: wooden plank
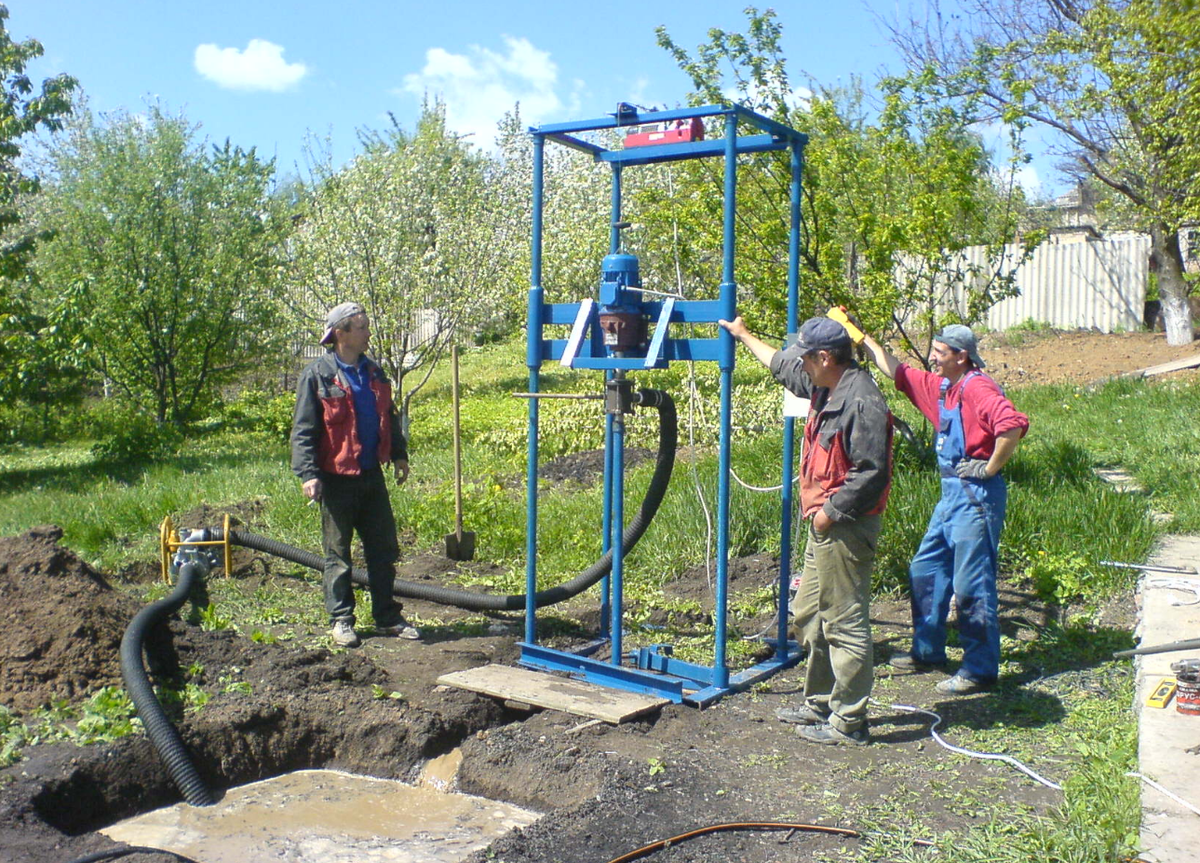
<point>555,693</point>
<point>1175,366</point>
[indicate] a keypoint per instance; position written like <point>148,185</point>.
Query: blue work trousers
<point>958,557</point>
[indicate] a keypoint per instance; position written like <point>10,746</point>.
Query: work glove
<point>972,468</point>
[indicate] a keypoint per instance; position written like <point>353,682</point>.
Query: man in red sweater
<point>978,430</point>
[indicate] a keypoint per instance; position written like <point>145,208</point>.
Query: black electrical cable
<point>158,728</point>
<point>646,850</point>
<point>114,853</point>
<point>668,436</point>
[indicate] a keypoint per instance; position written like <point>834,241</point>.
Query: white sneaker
<point>344,635</point>
<point>400,629</point>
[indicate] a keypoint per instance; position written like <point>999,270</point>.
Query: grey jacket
<point>846,470</point>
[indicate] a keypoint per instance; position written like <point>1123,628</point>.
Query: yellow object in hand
<point>838,313</point>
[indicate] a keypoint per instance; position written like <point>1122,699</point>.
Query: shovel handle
<point>458,512</point>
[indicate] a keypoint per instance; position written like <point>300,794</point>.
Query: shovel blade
<point>461,547</point>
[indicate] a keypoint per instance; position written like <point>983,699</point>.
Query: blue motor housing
<point>622,319</point>
<point>618,273</point>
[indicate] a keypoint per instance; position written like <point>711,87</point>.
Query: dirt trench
<point>604,790</point>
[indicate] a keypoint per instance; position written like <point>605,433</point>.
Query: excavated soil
<point>606,790</point>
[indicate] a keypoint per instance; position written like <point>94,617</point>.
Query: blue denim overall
<point>959,555</point>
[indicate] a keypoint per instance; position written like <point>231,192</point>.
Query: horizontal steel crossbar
<point>601,673</point>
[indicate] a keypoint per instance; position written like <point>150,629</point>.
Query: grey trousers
<point>833,622</point>
<point>359,503</point>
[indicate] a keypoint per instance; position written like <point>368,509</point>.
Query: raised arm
<point>880,356</point>
<point>761,350</point>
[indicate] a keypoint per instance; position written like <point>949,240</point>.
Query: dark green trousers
<point>359,504</point>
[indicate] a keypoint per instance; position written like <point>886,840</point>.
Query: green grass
<point>1062,521</point>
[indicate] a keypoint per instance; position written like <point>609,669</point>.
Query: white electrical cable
<point>908,708</point>
<point>1183,584</point>
<point>989,756</point>
<point>1162,790</point>
<point>747,485</point>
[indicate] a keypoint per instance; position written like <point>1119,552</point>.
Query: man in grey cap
<point>346,427</point>
<point>978,430</point>
<point>845,476</point>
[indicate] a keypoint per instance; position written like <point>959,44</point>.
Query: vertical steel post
<point>787,496</point>
<point>533,359</point>
<point>728,302</point>
<point>614,246</point>
<point>617,545</point>
<point>614,237</point>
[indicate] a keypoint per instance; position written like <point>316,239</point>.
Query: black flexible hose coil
<point>668,436</point>
<point>158,728</point>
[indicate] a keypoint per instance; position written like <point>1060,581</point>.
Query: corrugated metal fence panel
<point>1093,284</point>
<point>1070,284</point>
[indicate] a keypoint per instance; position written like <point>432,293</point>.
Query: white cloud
<point>1027,178</point>
<point>260,67</point>
<point>480,86</point>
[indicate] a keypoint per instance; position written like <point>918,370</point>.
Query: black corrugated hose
<point>158,728</point>
<point>114,853</point>
<point>668,435</point>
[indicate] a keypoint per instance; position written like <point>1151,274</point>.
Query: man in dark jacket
<point>845,477</point>
<point>345,429</point>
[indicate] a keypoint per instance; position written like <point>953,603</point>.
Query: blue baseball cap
<point>822,334</point>
<point>961,339</point>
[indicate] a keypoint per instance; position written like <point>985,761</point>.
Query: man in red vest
<point>845,476</point>
<point>346,427</point>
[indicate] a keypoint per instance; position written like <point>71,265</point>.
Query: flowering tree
<point>409,229</point>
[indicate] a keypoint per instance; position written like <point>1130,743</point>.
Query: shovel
<point>460,545</point>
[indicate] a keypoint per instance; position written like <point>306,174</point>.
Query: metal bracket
<point>578,330</point>
<point>654,352</point>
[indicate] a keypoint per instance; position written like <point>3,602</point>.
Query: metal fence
<point>1071,282</point>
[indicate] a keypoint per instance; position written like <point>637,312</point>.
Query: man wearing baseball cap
<point>346,427</point>
<point>845,476</point>
<point>978,430</point>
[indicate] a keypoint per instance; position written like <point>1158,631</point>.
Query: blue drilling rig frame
<point>612,335</point>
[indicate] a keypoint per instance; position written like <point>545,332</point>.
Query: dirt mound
<point>60,622</point>
<point>1076,357</point>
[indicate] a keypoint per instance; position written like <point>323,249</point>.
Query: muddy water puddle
<point>328,816</point>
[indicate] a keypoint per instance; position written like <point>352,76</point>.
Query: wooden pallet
<point>554,693</point>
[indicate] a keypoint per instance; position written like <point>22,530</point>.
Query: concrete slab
<point>1168,741</point>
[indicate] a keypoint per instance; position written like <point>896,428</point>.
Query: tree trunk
<point>1172,289</point>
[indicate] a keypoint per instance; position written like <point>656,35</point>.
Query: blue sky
<point>267,73</point>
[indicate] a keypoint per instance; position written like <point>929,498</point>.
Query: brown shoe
<point>908,662</point>
<point>829,736</point>
<point>802,715</point>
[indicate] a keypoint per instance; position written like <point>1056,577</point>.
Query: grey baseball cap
<point>338,315</point>
<point>961,339</point>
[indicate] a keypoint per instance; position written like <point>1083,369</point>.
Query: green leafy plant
<point>1058,577</point>
<point>211,620</point>
<point>381,693</point>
